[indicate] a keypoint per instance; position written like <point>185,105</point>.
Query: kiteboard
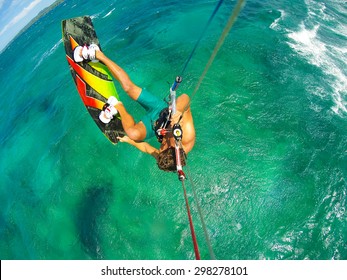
<point>93,80</point>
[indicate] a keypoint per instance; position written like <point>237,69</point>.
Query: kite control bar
<point>176,129</point>
<point>177,133</point>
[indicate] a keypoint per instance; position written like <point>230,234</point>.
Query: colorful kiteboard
<point>93,81</point>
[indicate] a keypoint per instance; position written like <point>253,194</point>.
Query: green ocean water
<point>270,161</point>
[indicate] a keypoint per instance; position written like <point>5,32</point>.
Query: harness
<point>162,124</point>
<point>162,127</point>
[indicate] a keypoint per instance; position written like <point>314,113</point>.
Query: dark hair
<point>167,159</point>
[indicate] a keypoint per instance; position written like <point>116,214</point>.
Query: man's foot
<point>112,100</point>
<point>106,115</point>
<point>82,53</point>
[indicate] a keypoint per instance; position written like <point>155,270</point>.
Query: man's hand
<point>142,146</point>
<point>125,139</point>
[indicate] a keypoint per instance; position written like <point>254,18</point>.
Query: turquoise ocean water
<point>270,161</point>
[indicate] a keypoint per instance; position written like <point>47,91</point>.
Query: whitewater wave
<point>48,53</point>
<point>313,41</point>
<point>109,13</point>
<point>306,43</point>
<point>275,24</point>
<point>95,16</point>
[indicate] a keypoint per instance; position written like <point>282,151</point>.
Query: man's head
<point>167,159</point>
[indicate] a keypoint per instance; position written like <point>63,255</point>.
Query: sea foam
<point>312,40</point>
<point>275,24</point>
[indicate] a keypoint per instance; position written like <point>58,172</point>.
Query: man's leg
<point>122,77</point>
<point>135,131</point>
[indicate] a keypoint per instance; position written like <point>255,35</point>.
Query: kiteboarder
<point>157,114</point>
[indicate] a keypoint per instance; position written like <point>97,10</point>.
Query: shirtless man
<point>143,130</point>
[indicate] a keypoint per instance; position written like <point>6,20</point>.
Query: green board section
<point>93,81</point>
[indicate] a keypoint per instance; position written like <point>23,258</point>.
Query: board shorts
<point>153,105</point>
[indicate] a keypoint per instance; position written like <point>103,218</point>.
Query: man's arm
<point>187,124</point>
<point>142,146</point>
